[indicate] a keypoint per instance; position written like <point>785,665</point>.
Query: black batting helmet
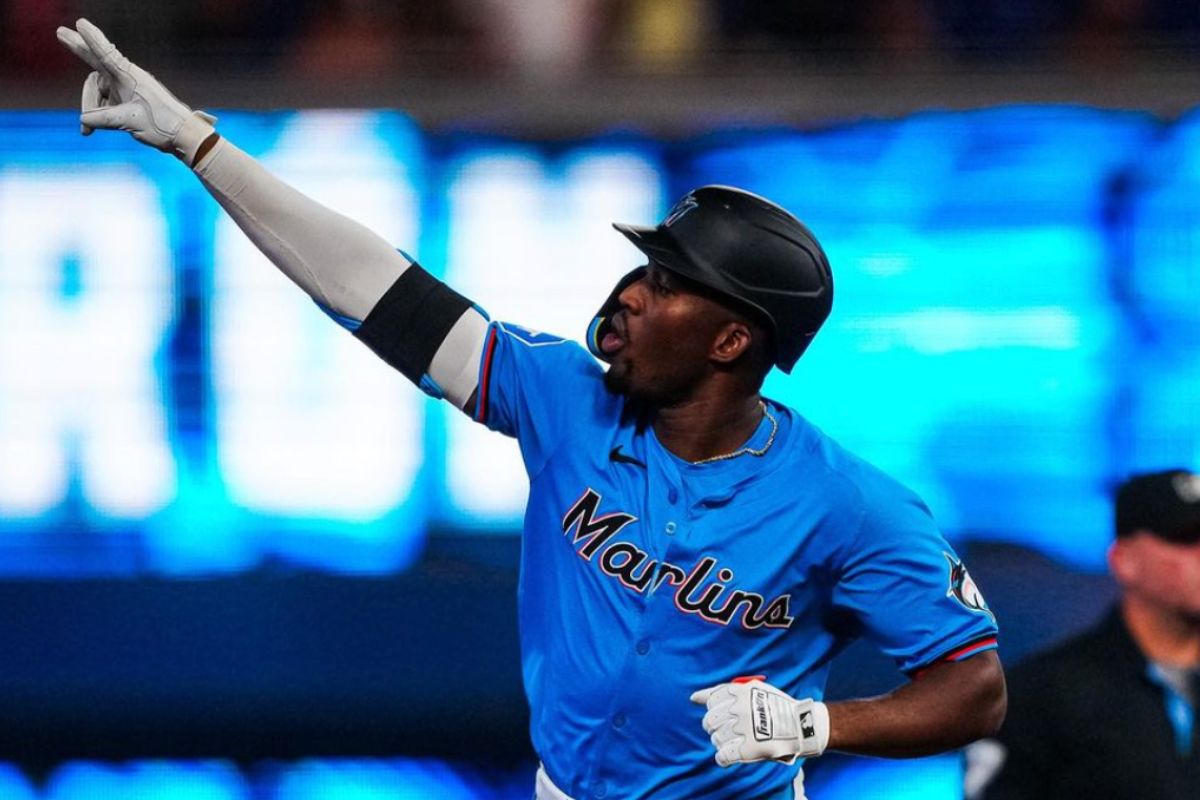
<point>747,248</point>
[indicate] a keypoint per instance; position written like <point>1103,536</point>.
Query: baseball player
<point>694,554</point>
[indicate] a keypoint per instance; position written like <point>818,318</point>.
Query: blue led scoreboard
<point>1013,328</point>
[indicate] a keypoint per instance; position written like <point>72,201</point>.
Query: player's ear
<point>1123,561</point>
<point>732,341</point>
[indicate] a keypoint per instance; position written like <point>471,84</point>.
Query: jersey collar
<point>716,483</point>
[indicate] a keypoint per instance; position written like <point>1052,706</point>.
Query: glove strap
<point>812,718</point>
<point>196,127</point>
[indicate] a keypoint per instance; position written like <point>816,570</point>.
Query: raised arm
<point>413,321</point>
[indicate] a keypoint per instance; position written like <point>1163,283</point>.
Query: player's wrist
<point>207,148</point>
<point>191,142</point>
<point>812,722</point>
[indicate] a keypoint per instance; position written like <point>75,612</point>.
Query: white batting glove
<point>754,721</point>
<point>120,95</point>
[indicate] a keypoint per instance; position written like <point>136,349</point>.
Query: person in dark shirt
<point>1112,713</point>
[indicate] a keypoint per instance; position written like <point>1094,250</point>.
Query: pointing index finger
<point>99,44</point>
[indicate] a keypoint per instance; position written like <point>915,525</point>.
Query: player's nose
<point>632,297</point>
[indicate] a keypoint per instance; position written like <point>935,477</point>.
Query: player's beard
<point>616,378</point>
<point>643,395</point>
<point>637,409</point>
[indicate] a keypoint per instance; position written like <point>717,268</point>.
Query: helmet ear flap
<point>602,322</point>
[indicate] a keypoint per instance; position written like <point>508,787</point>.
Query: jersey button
<point>599,790</point>
<point>643,647</point>
<point>619,720</point>
<point>672,496</point>
<point>670,528</point>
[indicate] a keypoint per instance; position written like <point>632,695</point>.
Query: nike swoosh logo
<point>616,455</point>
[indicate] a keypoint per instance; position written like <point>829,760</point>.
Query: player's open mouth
<point>614,340</point>
<point>611,344</point>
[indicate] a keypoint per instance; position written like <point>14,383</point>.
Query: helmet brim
<point>658,245</point>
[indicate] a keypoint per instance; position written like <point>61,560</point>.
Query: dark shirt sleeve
<point>1028,738</point>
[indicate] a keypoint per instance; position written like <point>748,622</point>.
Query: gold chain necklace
<point>748,451</point>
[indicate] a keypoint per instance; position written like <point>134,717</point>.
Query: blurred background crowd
<point>551,39</point>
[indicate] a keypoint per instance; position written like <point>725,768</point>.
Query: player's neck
<point>1166,638</point>
<point>709,425</point>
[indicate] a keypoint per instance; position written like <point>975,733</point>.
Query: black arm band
<point>410,322</point>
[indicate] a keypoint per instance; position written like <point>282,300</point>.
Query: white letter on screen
<point>309,421</point>
<point>86,294</point>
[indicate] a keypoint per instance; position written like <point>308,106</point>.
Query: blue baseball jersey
<point>645,578</point>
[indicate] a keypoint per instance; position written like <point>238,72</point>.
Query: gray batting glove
<point>120,95</point>
<point>754,721</point>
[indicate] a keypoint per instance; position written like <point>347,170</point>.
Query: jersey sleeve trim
<point>960,653</point>
<point>485,376</point>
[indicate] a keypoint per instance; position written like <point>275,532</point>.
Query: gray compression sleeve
<point>342,265</point>
<point>345,267</point>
